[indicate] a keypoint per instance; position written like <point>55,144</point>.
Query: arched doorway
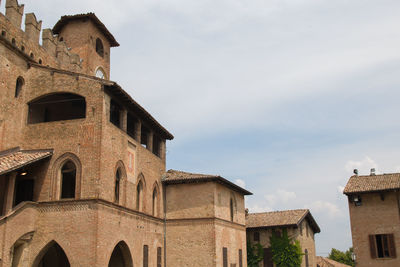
<point>121,257</point>
<point>53,256</point>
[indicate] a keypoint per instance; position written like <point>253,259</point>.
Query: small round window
<point>100,73</point>
<point>99,47</point>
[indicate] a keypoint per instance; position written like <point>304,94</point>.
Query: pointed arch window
<point>231,207</point>
<point>18,86</point>
<point>99,47</point>
<point>139,196</point>
<point>117,185</point>
<point>155,202</point>
<point>68,180</point>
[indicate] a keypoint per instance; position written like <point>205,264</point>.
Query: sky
<point>283,97</point>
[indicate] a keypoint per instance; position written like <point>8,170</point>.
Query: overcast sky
<point>284,97</point>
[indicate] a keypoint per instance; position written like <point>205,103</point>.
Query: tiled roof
<point>65,19</point>
<point>14,159</point>
<point>283,218</point>
<point>372,183</point>
<point>326,262</point>
<point>178,177</point>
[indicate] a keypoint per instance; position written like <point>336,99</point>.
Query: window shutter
<point>372,246</point>
<point>240,258</point>
<point>159,257</point>
<point>392,247</point>
<point>225,257</point>
<point>145,256</point>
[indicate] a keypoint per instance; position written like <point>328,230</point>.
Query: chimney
<point>246,211</point>
<point>32,27</point>
<point>372,171</point>
<point>355,171</point>
<point>14,12</point>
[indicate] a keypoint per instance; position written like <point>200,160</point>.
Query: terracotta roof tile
<point>326,262</point>
<point>371,183</point>
<point>178,177</point>
<point>280,219</point>
<point>13,159</point>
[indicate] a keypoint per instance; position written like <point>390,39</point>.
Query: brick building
<point>374,205</point>
<point>83,180</point>
<point>300,225</point>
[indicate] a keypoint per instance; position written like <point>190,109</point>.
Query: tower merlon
<point>32,27</point>
<point>14,12</point>
<point>49,41</point>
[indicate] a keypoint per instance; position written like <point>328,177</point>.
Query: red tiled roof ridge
<point>278,211</point>
<point>372,183</point>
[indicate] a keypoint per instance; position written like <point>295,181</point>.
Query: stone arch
<point>120,256</point>
<point>140,193</point>
<point>50,255</point>
<point>18,249</point>
<point>120,183</point>
<point>100,73</point>
<point>56,183</point>
<point>155,198</point>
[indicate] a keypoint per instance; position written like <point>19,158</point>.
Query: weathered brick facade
<point>119,211</point>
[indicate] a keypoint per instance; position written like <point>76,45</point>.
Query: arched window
<point>99,47</point>
<point>121,256</point>
<point>100,73</point>
<point>57,107</point>
<point>117,185</point>
<point>18,86</point>
<point>155,202</point>
<point>68,180</point>
<point>52,255</point>
<point>139,196</point>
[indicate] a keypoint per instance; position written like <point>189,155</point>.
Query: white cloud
<point>364,166</point>
<point>280,196</point>
<point>259,208</point>
<point>325,207</point>
<point>340,189</point>
<point>240,183</point>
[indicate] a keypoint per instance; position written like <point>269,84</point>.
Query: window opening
<point>144,136</point>
<point>31,55</point>
<point>3,33</point>
<point>139,194</point>
<point>268,258</point>
<point>156,145</point>
<point>68,180</point>
<point>18,86</point>
<point>13,41</point>
<point>145,256</point>
<point>55,256</point>
<point>155,199</point>
<point>231,209</point>
<point>256,236</point>
<point>22,48</point>
<point>131,125</point>
<point>23,189</point>
<point>306,254</point>
<point>115,113</point>
<point>117,185</point>
<point>240,258</point>
<point>225,257</point>
<point>158,256</point>
<point>382,246</point>
<point>99,47</point>
<point>100,73</point>
<point>40,61</point>
<point>57,107</point>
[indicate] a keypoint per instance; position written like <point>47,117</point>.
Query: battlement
<point>52,52</point>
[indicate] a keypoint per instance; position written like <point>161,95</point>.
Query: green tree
<point>286,252</point>
<point>255,254</point>
<point>343,257</point>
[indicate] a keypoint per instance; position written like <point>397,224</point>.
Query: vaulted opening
<point>139,196</point>
<point>121,256</point>
<point>155,201</point>
<point>99,47</point>
<point>18,86</point>
<point>117,185</point>
<point>57,107</point>
<point>115,113</point>
<point>68,180</point>
<point>132,121</point>
<point>54,257</point>
<point>24,186</point>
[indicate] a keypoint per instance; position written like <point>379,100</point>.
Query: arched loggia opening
<point>52,255</point>
<point>121,256</point>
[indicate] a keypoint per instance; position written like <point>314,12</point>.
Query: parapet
<point>52,52</point>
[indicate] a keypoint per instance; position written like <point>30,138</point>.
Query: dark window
<point>117,185</point>
<point>40,61</point>
<point>99,47</point>
<point>131,125</point>
<point>145,256</point>
<point>3,33</point>
<point>57,107</point>
<point>155,199</point>
<point>156,145</point>
<point>54,256</point>
<point>115,113</point>
<point>225,257</point>
<point>306,256</point>
<point>23,190</point>
<point>240,258</point>
<point>31,55</point>
<point>18,86</point>
<point>22,48</point>
<point>268,258</point>
<point>256,236</point>
<point>68,180</point>
<point>144,138</point>
<point>61,39</point>
<point>231,209</point>
<point>158,257</point>
<point>139,196</point>
<point>13,41</point>
<point>382,246</point>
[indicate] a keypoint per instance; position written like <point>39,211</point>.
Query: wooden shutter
<point>225,257</point>
<point>372,246</point>
<point>392,247</point>
<point>240,258</point>
<point>158,257</point>
<point>145,256</point>
<point>268,258</point>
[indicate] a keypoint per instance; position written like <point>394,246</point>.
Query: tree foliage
<point>343,257</point>
<point>255,254</point>
<point>286,252</point>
